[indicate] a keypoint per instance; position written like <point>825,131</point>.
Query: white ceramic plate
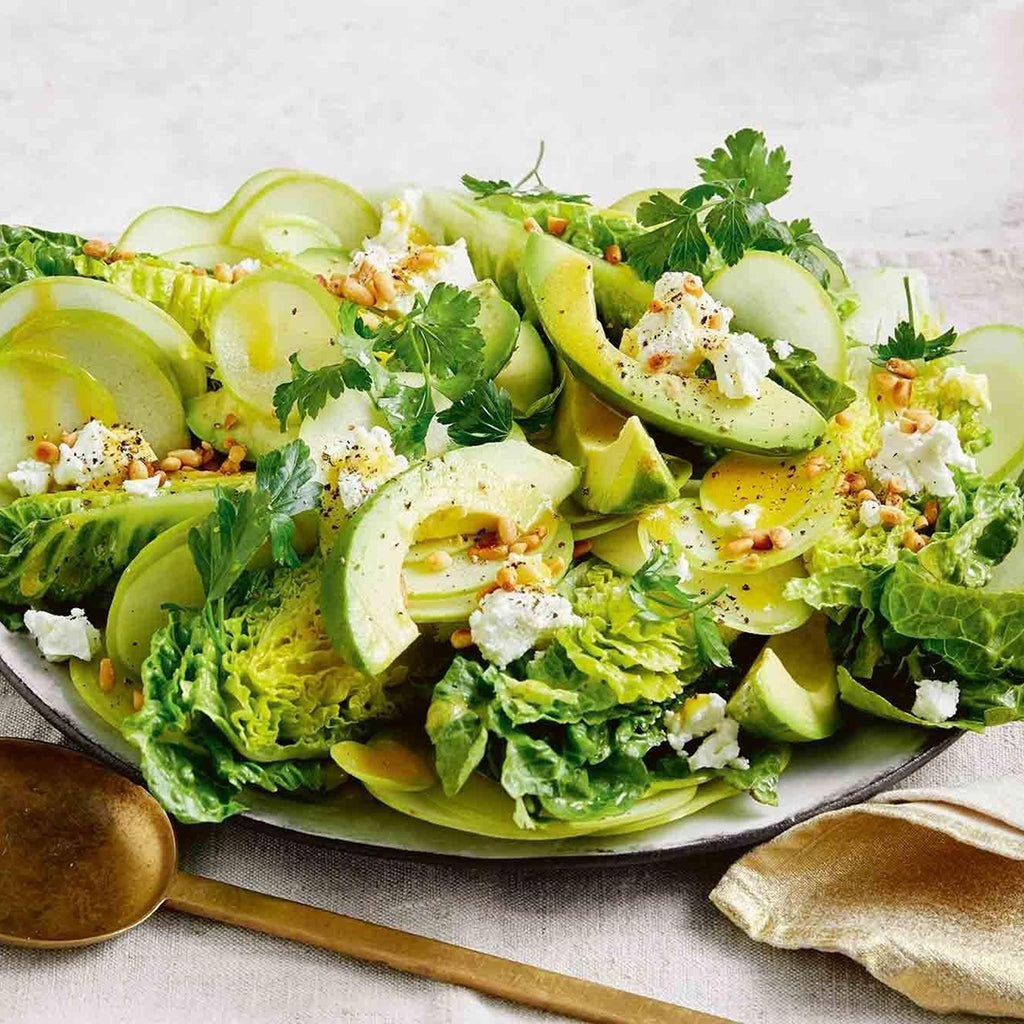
<point>852,766</point>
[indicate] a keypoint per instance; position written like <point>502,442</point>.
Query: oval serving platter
<point>854,765</point>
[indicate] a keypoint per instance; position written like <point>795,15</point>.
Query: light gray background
<point>903,122</point>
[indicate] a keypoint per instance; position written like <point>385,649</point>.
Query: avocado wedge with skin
<point>561,284</point>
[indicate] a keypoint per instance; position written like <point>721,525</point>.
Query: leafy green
<point>760,779</point>
<point>734,221</point>
<point>483,188</point>
<point>308,390</point>
<point>481,415</point>
<point>908,343</point>
<point>859,696</point>
<point>256,700</point>
<point>540,415</point>
<point>27,253</point>
<point>766,174</point>
<point>677,241</point>
<point>800,374</point>
<point>408,410</point>
<point>804,246</point>
<point>657,582</point>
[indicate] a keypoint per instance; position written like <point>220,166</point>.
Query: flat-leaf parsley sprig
<point>906,342</point>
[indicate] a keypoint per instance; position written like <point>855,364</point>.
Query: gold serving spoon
<point>85,855</point>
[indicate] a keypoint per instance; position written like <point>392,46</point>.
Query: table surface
<point>903,122</point>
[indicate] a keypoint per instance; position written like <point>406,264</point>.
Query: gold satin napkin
<point>924,888</point>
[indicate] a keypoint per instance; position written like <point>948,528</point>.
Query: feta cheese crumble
<point>870,513</point>
<point>414,269</point>
<point>354,465</point>
<point>703,715</point>
<point>958,385</point>
<point>683,569</point>
<point>146,488</point>
<point>60,637</point>
<point>741,521</point>
<point>783,348</point>
<point>684,326</point>
<point>936,700</point>
<point>509,623</point>
<point>921,461</point>
<point>247,266</point>
<point>31,477</point>
<point>100,455</point>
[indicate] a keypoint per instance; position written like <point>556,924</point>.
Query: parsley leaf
<point>657,582</point>
<point>765,174</point>
<point>677,241</point>
<point>408,411</point>
<point>484,187</point>
<point>800,374</point>
<point>734,221</point>
<point>240,524</point>
<point>907,343</point>
<point>310,389</point>
<point>481,415</point>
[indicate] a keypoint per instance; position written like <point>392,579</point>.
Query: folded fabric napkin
<point>924,888</point>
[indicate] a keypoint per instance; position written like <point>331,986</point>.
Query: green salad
<point>531,516</point>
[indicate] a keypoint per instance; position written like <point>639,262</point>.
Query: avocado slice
<point>207,415</point>
<point>361,594</point>
<point>387,761</point>
<point>623,471</point>
<point>529,375</point>
<point>562,286</point>
<point>790,692</point>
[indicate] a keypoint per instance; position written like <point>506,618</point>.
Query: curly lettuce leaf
<point>27,253</point>
<point>760,780</point>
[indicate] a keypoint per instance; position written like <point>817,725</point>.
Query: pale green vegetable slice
<point>386,762</point>
<point>997,350</point>
<point>529,375</point>
<point>42,397</point>
<point>261,321</point>
<point>774,297</point>
<point>115,705</point>
<point>122,359</point>
<point>221,418</point>
<point>292,233</point>
<point>882,303</point>
<point>174,350</point>
<point>343,216</point>
<point>326,262</point>
<point>208,255</point>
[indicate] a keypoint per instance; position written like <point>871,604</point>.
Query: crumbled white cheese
<point>60,637</point>
<point>248,266</point>
<point>958,385</point>
<point>683,569</point>
<point>413,269</point>
<point>741,521</point>
<point>100,455</point>
<point>936,700</point>
<point>703,715</point>
<point>31,477</point>
<point>870,513</point>
<point>783,348</point>
<point>145,488</point>
<point>354,465</point>
<point>921,461</point>
<point>509,623</point>
<point>684,326</point>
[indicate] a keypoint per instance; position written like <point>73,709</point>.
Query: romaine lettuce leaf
<point>27,253</point>
<point>859,696</point>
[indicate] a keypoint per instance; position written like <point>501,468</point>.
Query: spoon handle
<point>492,975</point>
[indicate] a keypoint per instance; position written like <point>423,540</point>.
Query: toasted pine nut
<point>737,547</point>
<point>885,382</point>
<point>751,561</point>
<point>96,248</point>
<point>384,286</point>
<point>489,589</point>
<point>890,516</point>
<point>922,418</point>
<point>47,451</point>
<point>781,537</point>
<point>902,368</point>
<point>843,419</point>
<point>461,639</point>
<point>856,481</point>
<point>437,560</point>
<point>581,548</point>
<point>866,495</point>
<point>138,470</point>
<point>107,675</point>
<point>238,273</point>
<point>814,466</point>
<point>171,464</point>
<point>843,487</point>
<point>530,224</point>
<point>237,453</point>
<point>692,284</point>
<point>518,548</point>
<point>931,511</point>
<point>161,477</point>
<point>530,541</point>
<point>541,531</point>
<point>893,486</point>
<point>199,271</point>
<point>121,254</point>
<point>656,306</point>
<point>497,553</point>
<point>69,438</point>
<point>901,393</point>
<point>187,457</point>
<point>506,578</point>
<point>913,541</point>
<point>137,700</point>
<point>364,273</point>
<point>352,290</point>
<point>557,225</point>
<point>613,254</point>
<point>322,281</point>
<point>762,540</point>
<point>907,426</point>
<point>230,421</point>
<point>507,530</point>
<point>223,273</point>
<point>556,565</point>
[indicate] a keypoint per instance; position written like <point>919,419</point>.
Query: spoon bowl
<point>84,853</point>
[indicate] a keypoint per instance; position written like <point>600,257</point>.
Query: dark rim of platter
<point>935,745</point>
